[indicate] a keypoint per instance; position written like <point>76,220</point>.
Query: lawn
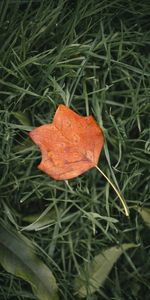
<point>73,235</point>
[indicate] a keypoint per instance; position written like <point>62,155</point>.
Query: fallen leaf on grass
<point>70,145</point>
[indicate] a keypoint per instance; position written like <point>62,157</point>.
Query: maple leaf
<point>70,145</point>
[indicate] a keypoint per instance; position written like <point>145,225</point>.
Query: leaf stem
<point>117,192</point>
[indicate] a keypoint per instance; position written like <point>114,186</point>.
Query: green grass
<point>94,57</point>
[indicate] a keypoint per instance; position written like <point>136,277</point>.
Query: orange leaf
<point>70,145</point>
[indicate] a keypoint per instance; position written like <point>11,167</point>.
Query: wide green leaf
<point>41,220</point>
<point>94,273</point>
<point>17,256</point>
<point>22,118</point>
<point>145,214</point>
